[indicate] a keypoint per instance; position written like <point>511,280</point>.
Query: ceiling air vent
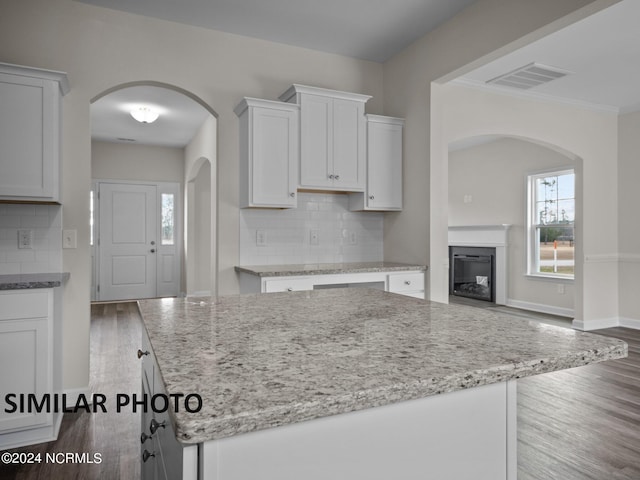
<point>529,76</point>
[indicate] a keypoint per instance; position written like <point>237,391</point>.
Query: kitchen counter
<point>263,361</point>
<point>22,281</point>
<point>325,268</point>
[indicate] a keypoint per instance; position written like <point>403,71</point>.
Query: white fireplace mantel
<point>496,236</point>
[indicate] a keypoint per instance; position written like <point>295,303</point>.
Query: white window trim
<point>531,258</point>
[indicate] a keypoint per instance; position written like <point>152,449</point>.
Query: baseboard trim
<point>541,308</point>
<point>73,394</point>
<point>595,324</point>
<point>630,323</point>
<point>201,293</point>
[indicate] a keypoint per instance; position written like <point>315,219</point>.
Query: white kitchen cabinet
<point>410,284</point>
<point>332,138</point>
<point>269,153</point>
<point>30,133</point>
<point>404,282</point>
<point>29,364</point>
<point>384,166</point>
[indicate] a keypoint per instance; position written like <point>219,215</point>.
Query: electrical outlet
<point>261,238</point>
<point>25,239</point>
<point>353,238</point>
<point>560,289</point>
<point>468,199</point>
<point>314,237</point>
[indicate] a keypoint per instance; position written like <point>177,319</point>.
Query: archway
<point>159,153</point>
<point>488,185</point>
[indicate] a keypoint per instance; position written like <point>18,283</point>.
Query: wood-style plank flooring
<point>579,424</point>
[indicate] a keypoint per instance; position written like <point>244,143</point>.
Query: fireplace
<point>473,271</point>
<point>492,237</point>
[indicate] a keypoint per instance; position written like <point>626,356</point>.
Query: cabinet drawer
<point>24,304</point>
<point>406,282</point>
<point>287,285</point>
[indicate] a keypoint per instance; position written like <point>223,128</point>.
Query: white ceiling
<point>179,120</point>
<point>602,52</point>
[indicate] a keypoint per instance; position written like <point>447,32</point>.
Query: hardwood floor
<point>583,423</point>
<point>579,424</point>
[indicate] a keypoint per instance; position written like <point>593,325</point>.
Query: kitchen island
<point>344,383</point>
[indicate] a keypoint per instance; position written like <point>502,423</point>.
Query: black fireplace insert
<point>472,272</point>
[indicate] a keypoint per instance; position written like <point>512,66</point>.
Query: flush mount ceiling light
<point>529,76</point>
<point>145,114</point>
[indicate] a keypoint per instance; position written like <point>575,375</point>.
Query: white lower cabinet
<point>28,366</point>
<point>409,282</point>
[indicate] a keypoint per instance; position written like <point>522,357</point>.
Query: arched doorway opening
<point>496,180</point>
<point>145,170</point>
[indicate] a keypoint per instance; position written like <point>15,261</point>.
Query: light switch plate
<point>69,239</point>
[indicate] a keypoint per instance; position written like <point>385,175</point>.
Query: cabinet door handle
<point>371,197</point>
<point>141,353</point>
<point>154,426</point>
<point>153,250</point>
<point>331,177</point>
<point>146,455</point>
<point>289,289</point>
<point>292,194</point>
<point>144,437</point>
<point>337,177</point>
<point>407,282</point>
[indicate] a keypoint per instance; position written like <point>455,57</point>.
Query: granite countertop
<point>265,360</point>
<point>325,268</point>
<point>21,281</point>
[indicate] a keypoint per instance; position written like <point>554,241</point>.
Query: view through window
<point>552,217</point>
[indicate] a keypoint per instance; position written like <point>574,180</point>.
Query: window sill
<point>550,278</point>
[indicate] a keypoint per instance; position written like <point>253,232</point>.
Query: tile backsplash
<point>282,237</point>
<point>45,221</point>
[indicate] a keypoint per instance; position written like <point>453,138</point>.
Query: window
<point>551,242</point>
<point>168,219</point>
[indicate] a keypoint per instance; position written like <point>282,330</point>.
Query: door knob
<point>152,242</point>
<point>153,250</point>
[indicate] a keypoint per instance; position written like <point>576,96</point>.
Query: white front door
<point>128,243</point>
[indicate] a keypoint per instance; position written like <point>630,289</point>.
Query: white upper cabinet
<point>269,153</point>
<point>384,166</point>
<point>30,111</point>
<point>332,138</point>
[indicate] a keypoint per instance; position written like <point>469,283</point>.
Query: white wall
<point>119,161</point>
<point>100,49</point>
<point>201,207</point>
<point>494,174</point>
<point>584,135</point>
<point>629,218</point>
